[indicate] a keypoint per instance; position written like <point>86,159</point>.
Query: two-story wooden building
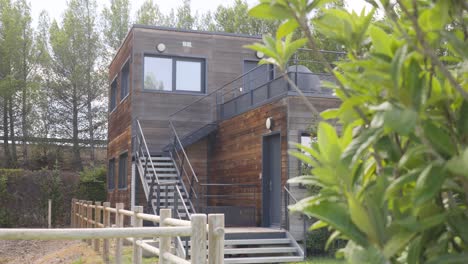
<point>196,125</point>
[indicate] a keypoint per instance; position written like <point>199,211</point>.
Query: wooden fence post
<point>216,238</point>
<point>118,241</point>
<point>164,242</point>
<point>106,222</point>
<point>198,239</point>
<point>97,221</point>
<point>89,218</point>
<point>72,213</point>
<point>137,222</point>
<point>82,214</point>
<point>49,214</point>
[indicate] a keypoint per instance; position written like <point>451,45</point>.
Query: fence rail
<point>92,223</point>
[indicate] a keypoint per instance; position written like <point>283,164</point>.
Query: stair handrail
<point>171,125</point>
<point>140,131</point>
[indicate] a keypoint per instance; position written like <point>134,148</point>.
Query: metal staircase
<point>164,187</point>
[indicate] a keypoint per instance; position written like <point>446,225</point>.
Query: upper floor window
<point>111,175</point>
<point>123,171</point>
<point>174,74</point>
<point>125,81</point>
<point>113,96</point>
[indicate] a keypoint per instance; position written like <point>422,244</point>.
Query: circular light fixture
<point>259,54</point>
<point>269,123</point>
<point>161,47</point>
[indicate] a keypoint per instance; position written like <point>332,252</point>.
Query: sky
<point>55,8</point>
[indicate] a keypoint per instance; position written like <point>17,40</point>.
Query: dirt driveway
<point>45,252</point>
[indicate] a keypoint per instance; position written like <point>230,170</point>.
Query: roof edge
<point>196,31</point>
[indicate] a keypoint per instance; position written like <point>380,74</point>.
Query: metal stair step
<point>260,250</point>
<point>276,241</point>
<point>279,259</point>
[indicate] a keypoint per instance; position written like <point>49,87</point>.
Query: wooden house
<point>196,125</point>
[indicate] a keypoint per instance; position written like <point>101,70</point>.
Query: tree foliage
<point>394,179</point>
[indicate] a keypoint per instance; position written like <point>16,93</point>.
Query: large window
<point>113,96</point>
<point>123,171</point>
<point>125,81</point>
<point>111,175</point>
<point>174,74</point>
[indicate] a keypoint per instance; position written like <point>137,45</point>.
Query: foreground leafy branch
<point>394,182</point>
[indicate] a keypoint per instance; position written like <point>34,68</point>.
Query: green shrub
<point>6,216</point>
<point>92,184</point>
<point>394,176</point>
<point>52,188</point>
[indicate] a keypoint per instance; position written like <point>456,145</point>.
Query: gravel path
<point>45,252</point>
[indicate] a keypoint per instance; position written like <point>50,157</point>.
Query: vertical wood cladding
<point>119,123</point>
<point>237,155</point>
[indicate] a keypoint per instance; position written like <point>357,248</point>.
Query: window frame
<point>111,168</point>
<point>125,71</point>
<point>113,91</point>
<point>174,60</point>
<point>124,179</point>
<point>300,163</point>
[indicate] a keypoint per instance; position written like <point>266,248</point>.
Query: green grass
<point>322,260</point>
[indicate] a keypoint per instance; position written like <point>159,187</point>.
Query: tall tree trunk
<point>88,84</point>
<point>14,157</point>
<point>24,106</point>
<point>91,132</point>
<point>6,145</point>
<point>24,126</point>
<point>76,146</point>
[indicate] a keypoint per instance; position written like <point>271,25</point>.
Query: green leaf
<point>414,251</point>
<point>395,187</point>
<point>459,164</point>
<point>355,254</point>
<point>267,11</point>
<point>317,225</point>
<point>293,47</point>
<point>397,65</point>
<point>381,41</point>
<point>328,141</point>
<point>331,113</point>
<point>286,28</point>
<point>439,138</point>
<point>462,123</point>
<point>449,259</point>
<point>336,215</point>
<point>428,184</point>
<point>360,144</point>
<point>397,243</point>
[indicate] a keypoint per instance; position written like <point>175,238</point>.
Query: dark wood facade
<point>119,125</point>
<point>230,155</point>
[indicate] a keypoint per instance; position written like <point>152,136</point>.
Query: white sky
<point>55,8</point>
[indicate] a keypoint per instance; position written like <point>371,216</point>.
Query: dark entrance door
<point>271,181</point>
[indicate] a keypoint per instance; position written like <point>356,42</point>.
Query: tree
<point>25,70</point>
<point>184,17</point>
<point>75,53</point>
<point>149,14</point>
<point>394,180</point>
<point>116,20</point>
<point>235,19</point>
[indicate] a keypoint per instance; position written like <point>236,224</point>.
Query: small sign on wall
<point>187,44</point>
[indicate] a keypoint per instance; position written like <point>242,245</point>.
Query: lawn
<point>322,260</point>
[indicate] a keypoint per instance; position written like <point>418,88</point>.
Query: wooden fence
<point>92,222</point>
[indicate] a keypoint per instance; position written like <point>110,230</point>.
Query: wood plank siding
<point>236,156</point>
<point>119,124</point>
